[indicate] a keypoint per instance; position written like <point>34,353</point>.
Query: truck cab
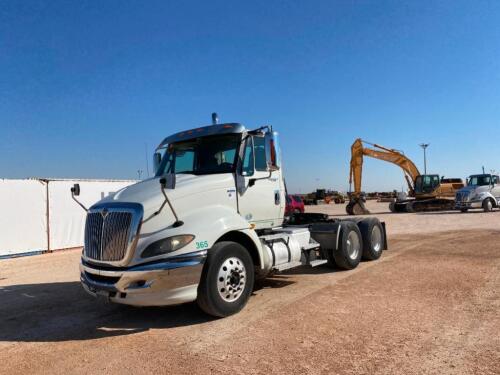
<point>482,191</point>
<point>208,223</point>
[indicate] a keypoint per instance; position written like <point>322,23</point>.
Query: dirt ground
<point>431,304</point>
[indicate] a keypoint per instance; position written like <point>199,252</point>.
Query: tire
<point>410,207</point>
<point>224,265</point>
<point>487,205</point>
<point>372,234</point>
<point>348,209</point>
<point>348,255</point>
<point>464,210</point>
<point>392,207</point>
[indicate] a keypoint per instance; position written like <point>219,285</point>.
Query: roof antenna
<point>215,118</point>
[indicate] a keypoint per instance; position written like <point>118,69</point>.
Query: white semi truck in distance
<point>209,223</point>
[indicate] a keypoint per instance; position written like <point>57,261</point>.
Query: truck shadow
<point>51,312</point>
<point>63,311</point>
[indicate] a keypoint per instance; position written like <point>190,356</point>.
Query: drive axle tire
<point>227,279</point>
<point>350,248</point>
<point>487,205</point>
<point>372,234</point>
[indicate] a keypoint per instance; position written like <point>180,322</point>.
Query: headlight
<point>477,197</point>
<point>167,245</point>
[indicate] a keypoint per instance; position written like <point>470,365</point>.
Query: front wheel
<point>227,279</point>
<point>487,205</point>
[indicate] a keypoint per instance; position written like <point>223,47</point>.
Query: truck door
<point>260,196</point>
<point>495,191</point>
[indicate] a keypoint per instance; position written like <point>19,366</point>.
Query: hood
<point>474,189</point>
<point>148,192</point>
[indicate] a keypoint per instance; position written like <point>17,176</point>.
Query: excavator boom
<point>392,156</point>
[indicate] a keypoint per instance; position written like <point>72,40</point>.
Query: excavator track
<point>427,205</point>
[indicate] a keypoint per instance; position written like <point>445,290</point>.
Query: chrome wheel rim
<point>489,205</point>
<point>376,239</point>
<point>231,279</point>
<point>353,245</point>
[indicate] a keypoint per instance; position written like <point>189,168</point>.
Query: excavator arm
<point>356,205</point>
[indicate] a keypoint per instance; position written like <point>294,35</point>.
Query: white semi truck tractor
<point>209,223</point>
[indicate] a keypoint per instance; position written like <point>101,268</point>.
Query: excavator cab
<point>426,184</point>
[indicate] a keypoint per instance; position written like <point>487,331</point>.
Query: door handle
<point>277,197</point>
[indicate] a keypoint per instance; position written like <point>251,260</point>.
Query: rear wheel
<point>464,209</point>
<point>227,279</point>
<point>350,247</point>
<point>487,205</point>
<point>372,234</point>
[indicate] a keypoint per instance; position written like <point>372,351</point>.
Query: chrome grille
<point>108,234</point>
<point>462,196</point>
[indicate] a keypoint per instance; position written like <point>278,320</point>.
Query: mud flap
<point>385,235</point>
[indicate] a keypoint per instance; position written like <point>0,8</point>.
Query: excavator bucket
<point>356,206</point>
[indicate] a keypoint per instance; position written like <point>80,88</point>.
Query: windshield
<point>204,155</point>
<point>426,183</point>
<point>479,180</point>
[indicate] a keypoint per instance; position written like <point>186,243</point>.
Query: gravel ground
<point>431,304</point>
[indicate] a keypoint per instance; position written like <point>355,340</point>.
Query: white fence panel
<point>67,218</point>
<point>23,222</point>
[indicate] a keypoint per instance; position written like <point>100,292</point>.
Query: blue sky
<point>86,86</point>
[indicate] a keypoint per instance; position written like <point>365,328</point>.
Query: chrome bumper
<point>160,283</point>
<point>469,204</point>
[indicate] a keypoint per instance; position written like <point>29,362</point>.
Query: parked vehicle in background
<point>294,205</point>
<point>323,196</point>
<point>482,191</point>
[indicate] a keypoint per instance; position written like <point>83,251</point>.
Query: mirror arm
<point>77,201</point>
<point>252,181</point>
<point>177,222</point>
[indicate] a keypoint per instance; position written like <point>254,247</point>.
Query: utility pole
<point>424,146</point>
<point>483,169</point>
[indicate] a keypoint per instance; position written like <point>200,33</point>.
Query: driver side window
<point>248,159</point>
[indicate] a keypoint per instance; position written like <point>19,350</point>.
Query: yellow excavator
<point>427,192</point>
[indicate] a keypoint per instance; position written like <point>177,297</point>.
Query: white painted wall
<point>23,215</point>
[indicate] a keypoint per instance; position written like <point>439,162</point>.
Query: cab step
<point>318,262</point>
<point>287,266</point>
<point>311,246</point>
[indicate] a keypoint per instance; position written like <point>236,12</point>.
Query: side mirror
<point>168,182</point>
<point>272,151</point>
<point>75,190</point>
<point>156,161</point>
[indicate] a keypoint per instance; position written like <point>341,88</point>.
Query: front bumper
<point>167,282</point>
<point>468,204</point>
